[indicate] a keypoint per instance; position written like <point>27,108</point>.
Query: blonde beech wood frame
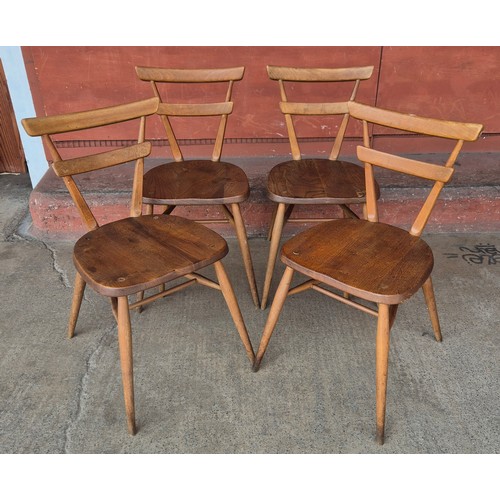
<point>312,181</point>
<point>135,254</point>
<point>199,182</point>
<point>367,259</point>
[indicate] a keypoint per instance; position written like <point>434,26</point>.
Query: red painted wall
<point>457,83</point>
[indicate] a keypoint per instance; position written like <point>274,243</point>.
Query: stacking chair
<point>198,181</point>
<point>138,253</point>
<point>312,181</point>
<point>367,259</point>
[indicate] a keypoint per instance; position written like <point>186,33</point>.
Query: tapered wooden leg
<point>241,233</point>
<point>393,309</point>
<point>273,252</point>
<point>274,312</point>
<point>114,307</point>
<point>381,367</point>
<point>78,291</point>
<point>430,300</point>
<point>139,296</point>
<point>126,361</point>
<point>271,224</point>
<point>234,308</point>
<point>148,210</point>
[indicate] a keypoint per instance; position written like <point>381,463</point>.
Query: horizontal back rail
<point>319,74</point>
<point>416,124</point>
<point>306,108</point>
<point>167,75</point>
<point>101,160</point>
<point>70,122</point>
<point>405,165</point>
<point>202,109</point>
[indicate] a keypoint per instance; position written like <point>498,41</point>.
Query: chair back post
<point>371,195</point>
<point>172,140</point>
<point>440,174</point>
<point>292,136</point>
<point>137,186</point>
<point>185,76</point>
<point>310,75</point>
<point>221,131</point>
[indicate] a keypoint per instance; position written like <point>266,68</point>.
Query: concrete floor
<point>195,391</point>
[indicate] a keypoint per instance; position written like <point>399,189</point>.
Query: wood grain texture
<point>319,74</point>
<point>195,182</point>
<point>196,109</point>
<point>317,180</point>
<point>139,253</point>
<point>173,75</point>
<point>97,161</point>
<point>70,122</point>
<point>415,124</point>
<point>370,260</point>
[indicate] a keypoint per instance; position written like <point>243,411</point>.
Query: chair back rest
<point>168,109</point>
<point>310,75</point>
<point>458,132</point>
<point>50,126</point>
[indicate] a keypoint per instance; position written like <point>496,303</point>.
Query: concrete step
<point>470,202</point>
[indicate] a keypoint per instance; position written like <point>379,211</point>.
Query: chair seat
<point>138,253</point>
<point>195,182</point>
<point>316,181</point>
<point>370,260</point>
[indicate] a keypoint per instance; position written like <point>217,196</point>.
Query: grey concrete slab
<point>14,194</point>
<point>195,391</point>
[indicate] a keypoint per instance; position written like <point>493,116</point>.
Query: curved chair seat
<point>138,253</point>
<point>316,180</point>
<point>373,261</point>
<point>195,182</point>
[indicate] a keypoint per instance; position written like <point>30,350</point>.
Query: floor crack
<point>90,364</point>
<point>63,277</point>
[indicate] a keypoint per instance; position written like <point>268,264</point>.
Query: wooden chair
<point>137,253</point>
<point>198,181</point>
<point>368,259</point>
<point>312,181</point>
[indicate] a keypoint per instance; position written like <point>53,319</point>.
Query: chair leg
<point>148,210</point>
<point>273,252</point>
<point>234,308</point>
<point>126,361</point>
<point>393,309</point>
<point>245,252</point>
<point>274,312</point>
<point>114,308</point>
<point>430,300</point>
<point>78,291</point>
<point>139,296</point>
<point>381,366</point>
<point>271,224</point>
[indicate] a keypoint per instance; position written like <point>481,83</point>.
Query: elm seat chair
<point>312,181</point>
<point>368,259</point>
<point>198,181</point>
<point>138,253</point>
